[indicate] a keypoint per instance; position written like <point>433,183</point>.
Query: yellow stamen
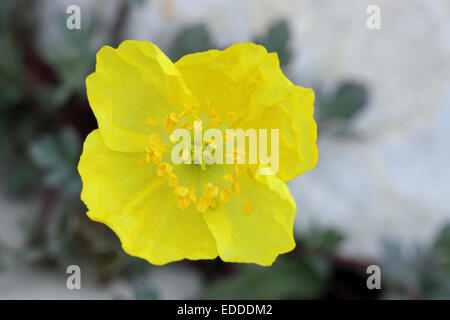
<point>214,122</point>
<point>162,147</point>
<point>157,156</point>
<point>212,203</point>
<point>230,115</point>
<point>224,194</point>
<point>183,202</point>
<point>192,194</point>
<point>170,122</point>
<point>228,177</point>
<point>173,180</point>
<point>187,107</point>
<point>152,121</point>
<point>207,200</point>
<point>210,193</point>
<point>186,126</point>
<point>236,171</point>
<point>182,191</point>
<point>250,172</point>
<point>143,162</point>
<point>211,190</point>
<point>163,169</point>
<point>153,139</point>
<point>235,187</point>
<point>174,117</point>
<point>247,208</point>
<point>202,204</point>
<point>212,113</point>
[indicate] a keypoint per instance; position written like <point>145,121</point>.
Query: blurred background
<point>380,193</point>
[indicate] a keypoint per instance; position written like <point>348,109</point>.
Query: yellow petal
<point>153,227</point>
<point>110,179</point>
<point>139,207</point>
<point>257,226</point>
<point>132,83</point>
<point>249,83</point>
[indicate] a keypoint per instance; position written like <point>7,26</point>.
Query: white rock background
<point>392,181</point>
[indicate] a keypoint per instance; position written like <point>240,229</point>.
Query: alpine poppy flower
<point>163,211</point>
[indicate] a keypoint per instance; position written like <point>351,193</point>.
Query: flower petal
<point>139,207</point>
<point>132,83</point>
<point>256,225</point>
<point>152,227</point>
<point>249,82</point>
<point>110,179</point>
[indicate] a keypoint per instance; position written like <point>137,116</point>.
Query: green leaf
<point>57,156</point>
<point>12,72</point>
<point>11,64</point>
<point>7,8</point>
<point>442,242</point>
<point>437,284</point>
<point>146,292</point>
<point>277,40</point>
<point>21,177</point>
<point>191,39</point>
<point>345,103</point>
<point>322,239</point>
<point>286,278</point>
<point>71,72</point>
<point>438,278</point>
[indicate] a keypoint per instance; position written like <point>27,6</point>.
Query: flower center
<point>203,183</point>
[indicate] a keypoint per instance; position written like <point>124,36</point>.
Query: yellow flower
<point>164,212</point>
